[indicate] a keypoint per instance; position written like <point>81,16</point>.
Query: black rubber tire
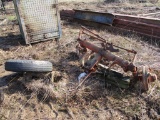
<point>28,66</point>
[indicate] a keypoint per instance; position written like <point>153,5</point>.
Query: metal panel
<point>153,21</point>
<point>105,18</point>
<point>38,19</point>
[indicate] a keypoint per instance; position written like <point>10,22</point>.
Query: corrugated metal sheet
<point>38,19</point>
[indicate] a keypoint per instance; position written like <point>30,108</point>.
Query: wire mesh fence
<point>38,19</point>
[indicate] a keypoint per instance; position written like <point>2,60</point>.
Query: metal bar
<point>150,14</point>
<point>42,32</point>
<point>110,57</point>
<point>103,40</point>
<point>153,21</point>
<point>137,28</point>
<point>97,36</point>
<point>135,23</point>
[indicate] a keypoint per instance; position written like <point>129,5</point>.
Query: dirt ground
<point>123,8</point>
<point>96,99</point>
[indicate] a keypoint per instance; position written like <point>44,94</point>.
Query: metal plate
<point>39,19</point>
<point>104,18</point>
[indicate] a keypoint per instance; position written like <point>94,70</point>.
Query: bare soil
<point>96,99</point>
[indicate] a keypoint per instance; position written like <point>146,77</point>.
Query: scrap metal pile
<point>145,26</point>
<point>91,56</point>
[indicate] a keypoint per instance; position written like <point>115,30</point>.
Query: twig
<point>26,102</point>
<point>70,113</point>
<point>52,108</point>
<point>52,76</point>
<point>154,87</point>
<point>3,22</point>
<point>17,49</point>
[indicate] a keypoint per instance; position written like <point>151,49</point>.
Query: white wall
<point>80,0</point>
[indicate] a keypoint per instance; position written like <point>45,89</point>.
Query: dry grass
<point>96,99</point>
<point>104,102</point>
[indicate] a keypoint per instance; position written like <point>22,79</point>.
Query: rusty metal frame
<point>144,76</point>
<point>33,36</point>
<point>147,27</point>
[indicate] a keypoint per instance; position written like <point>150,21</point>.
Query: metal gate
<point>38,19</point>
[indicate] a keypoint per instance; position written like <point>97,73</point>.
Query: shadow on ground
<point>10,42</point>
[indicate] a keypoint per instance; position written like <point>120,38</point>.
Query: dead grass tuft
<point>47,91</point>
